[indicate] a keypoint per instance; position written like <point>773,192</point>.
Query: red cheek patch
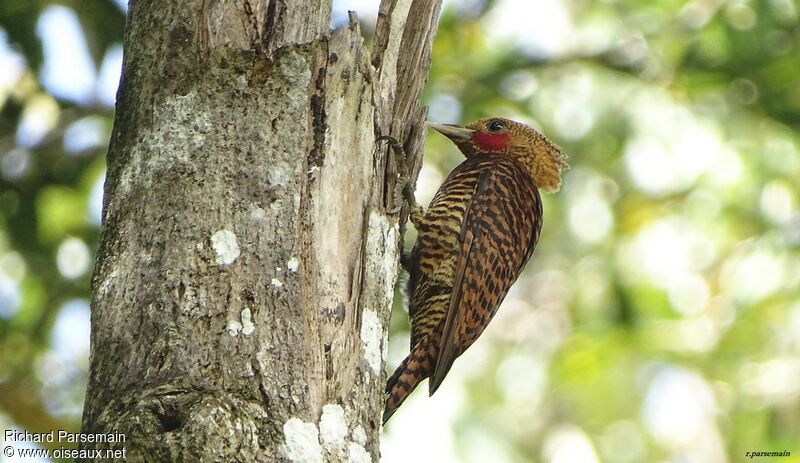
<point>491,141</point>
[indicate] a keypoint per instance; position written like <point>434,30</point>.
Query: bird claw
<point>404,190</point>
<point>400,196</point>
<point>394,143</point>
<point>401,187</point>
<point>405,261</point>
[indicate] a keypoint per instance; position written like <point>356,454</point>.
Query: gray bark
<point>247,261</point>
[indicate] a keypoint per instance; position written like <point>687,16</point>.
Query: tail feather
<point>416,367</point>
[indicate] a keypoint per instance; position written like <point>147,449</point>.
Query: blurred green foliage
<point>660,317</point>
<point>50,189</point>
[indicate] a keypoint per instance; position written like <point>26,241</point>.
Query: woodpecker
<point>473,241</point>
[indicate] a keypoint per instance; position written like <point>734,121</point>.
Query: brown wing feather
<point>500,227</point>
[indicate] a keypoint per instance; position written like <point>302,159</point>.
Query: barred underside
<point>476,236</point>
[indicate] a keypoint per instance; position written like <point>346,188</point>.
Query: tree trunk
<point>247,260</point>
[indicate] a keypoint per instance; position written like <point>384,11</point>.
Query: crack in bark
<point>255,41</point>
<point>328,362</point>
<point>260,380</point>
<point>270,22</point>
<point>319,116</point>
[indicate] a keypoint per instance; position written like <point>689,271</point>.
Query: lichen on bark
<point>245,239</point>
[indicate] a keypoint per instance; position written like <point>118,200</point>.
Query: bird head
<point>543,158</point>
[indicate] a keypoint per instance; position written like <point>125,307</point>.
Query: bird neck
<point>544,161</point>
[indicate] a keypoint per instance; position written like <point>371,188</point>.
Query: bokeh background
<point>659,320</point>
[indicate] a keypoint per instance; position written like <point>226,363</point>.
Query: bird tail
<point>416,367</point>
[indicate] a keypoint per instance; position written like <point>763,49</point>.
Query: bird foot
<point>405,261</point>
<point>403,189</point>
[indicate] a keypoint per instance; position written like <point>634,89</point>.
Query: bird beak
<point>453,132</point>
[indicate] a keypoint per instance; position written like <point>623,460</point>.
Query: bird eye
<point>496,125</point>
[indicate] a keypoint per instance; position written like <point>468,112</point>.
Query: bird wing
<point>499,230</point>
